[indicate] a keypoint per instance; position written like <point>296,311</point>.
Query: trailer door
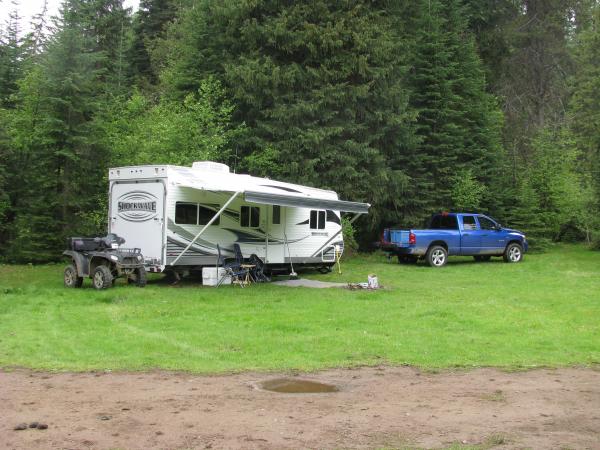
<point>137,214</point>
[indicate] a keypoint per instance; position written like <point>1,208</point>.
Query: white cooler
<point>210,276</point>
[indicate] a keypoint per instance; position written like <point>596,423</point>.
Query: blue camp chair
<point>233,266</point>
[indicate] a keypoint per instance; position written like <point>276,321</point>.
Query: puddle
<point>295,386</point>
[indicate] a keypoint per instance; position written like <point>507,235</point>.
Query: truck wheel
<point>72,279</point>
<point>102,278</point>
<point>513,253</point>
<point>140,277</point>
<point>437,256</point>
<point>482,258</point>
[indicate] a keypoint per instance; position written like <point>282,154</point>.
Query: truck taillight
<point>412,239</point>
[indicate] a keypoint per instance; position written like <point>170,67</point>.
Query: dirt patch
<point>373,408</point>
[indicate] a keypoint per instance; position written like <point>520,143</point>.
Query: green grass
<point>542,312</point>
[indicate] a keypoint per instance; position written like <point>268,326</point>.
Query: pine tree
<point>319,84</point>
<point>458,124</point>
<point>149,24</point>
<point>11,59</point>
<point>58,165</point>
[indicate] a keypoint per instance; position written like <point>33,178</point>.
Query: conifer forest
<point>414,106</point>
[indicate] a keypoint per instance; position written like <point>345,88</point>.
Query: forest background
<point>413,106</point>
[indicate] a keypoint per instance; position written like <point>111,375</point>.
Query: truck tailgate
<point>399,237</point>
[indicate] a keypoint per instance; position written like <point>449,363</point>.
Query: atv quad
<point>103,260</point>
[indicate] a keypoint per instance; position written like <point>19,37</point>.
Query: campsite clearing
<point>543,312</point>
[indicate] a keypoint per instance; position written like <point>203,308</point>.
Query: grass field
<point>542,312</point>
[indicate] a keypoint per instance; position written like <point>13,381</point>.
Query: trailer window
<point>207,212</point>
<point>317,220</point>
<point>250,216</point>
<point>276,214</point>
<point>186,213</point>
<point>469,223</point>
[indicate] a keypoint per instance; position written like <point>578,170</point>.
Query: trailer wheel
<point>437,256</point>
<point>482,258</point>
<point>72,279</point>
<point>102,278</point>
<point>140,277</point>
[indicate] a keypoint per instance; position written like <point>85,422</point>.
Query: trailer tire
<point>140,277</point>
<point>482,258</point>
<point>513,253</point>
<point>72,278</point>
<point>102,278</point>
<point>437,256</point>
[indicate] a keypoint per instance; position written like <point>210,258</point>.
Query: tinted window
<point>207,212</point>
<point>317,220</point>
<point>443,222</point>
<point>469,223</point>
<point>186,213</point>
<point>276,214</point>
<point>250,216</point>
<point>486,224</point>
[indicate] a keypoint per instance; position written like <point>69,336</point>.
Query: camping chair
<point>233,268</point>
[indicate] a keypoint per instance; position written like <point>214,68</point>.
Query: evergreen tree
<point>58,166</point>
<point>458,123</point>
<point>11,58</point>
<point>149,25</point>
<point>584,106</point>
<point>318,83</point>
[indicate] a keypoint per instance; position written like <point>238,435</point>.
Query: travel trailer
<point>184,217</point>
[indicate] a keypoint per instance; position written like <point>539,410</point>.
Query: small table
<point>246,280</point>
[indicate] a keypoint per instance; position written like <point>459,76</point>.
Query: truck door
<point>470,243</point>
<point>137,214</point>
<point>492,240</point>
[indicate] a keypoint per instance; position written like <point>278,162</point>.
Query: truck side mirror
<point>498,227</point>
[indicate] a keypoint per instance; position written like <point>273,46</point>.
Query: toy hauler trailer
<point>182,217</point>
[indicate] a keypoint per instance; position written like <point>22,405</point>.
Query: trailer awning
<point>305,202</point>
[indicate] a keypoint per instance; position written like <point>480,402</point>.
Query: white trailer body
<point>178,216</point>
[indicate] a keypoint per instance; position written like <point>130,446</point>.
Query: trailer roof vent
<point>209,166</point>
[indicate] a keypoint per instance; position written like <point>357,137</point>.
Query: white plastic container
<point>210,276</point>
<point>372,282</point>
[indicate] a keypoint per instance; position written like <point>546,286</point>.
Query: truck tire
<point>437,256</point>
<point>140,277</point>
<point>513,253</point>
<point>482,258</point>
<point>102,278</point>
<point>72,278</point>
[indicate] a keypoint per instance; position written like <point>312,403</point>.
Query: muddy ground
<point>374,407</point>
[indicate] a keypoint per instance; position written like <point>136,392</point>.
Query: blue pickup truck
<point>455,234</point>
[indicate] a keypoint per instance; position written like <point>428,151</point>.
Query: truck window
<point>443,222</point>
<point>186,213</point>
<point>486,224</point>
<point>469,223</point>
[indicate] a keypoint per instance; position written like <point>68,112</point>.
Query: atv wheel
<point>139,277</point>
<point>72,279</point>
<point>102,278</point>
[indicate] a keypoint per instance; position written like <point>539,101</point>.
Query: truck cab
<point>463,234</point>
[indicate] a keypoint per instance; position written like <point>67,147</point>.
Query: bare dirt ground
<point>387,407</point>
